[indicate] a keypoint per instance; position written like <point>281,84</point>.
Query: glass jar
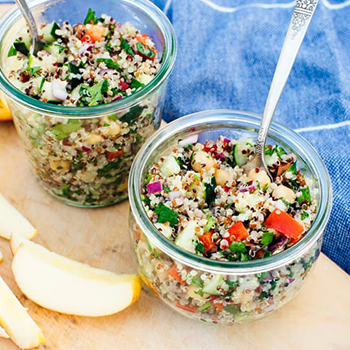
<point>253,289</point>
<point>73,168</point>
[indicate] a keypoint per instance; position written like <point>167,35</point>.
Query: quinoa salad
<point>199,197</point>
<point>86,161</point>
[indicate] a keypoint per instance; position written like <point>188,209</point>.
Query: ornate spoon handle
<point>298,26</point>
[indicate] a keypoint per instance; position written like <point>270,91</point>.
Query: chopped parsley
<point>238,247</point>
<point>95,92</point>
<point>197,282</point>
<point>304,215</point>
<point>165,214</point>
<point>90,17</point>
<point>305,196</point>
<point>266,238</point>
<point>199,247</point>
<point>126,47</point>
<point>131,116</point>
<point>61,131</point>
<point>109,63</point>
<point>135,84</point>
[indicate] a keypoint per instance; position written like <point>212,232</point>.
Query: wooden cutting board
<point>318,318</point>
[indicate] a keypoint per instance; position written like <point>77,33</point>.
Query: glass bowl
<point>71,170</point>
<point>257,287</point>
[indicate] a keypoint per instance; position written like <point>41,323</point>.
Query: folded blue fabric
<point>227,55</point>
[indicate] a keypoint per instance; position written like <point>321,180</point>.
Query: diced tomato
<point>212,148</point>
<point>113,155</point>
<point>186,307</point>
<point>174,273</point>
<point>226,188</point>
<point>238,232</point>
<point>123,85</point>
<point>94,33</point>
<point>284,223</point>
<point>282,168</point>
<point>207,241</point>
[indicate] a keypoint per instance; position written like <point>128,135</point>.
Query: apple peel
<point>12,221</point>
<point>67,286</point>
<point>16,322</point>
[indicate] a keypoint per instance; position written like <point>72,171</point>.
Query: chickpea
<point>202,160</point>
<point>114,129</point>
<point>260,176</point>
<point>221,177</point>
<point>60,165</point>
<point>284,192</point>
<point>94,139</point>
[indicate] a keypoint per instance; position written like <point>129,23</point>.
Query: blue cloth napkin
<point>227,55</point>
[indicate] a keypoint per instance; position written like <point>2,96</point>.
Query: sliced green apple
<point>60,284</point>
<point>12,221</point>
<point>3,333</point>
<point>16,321</point>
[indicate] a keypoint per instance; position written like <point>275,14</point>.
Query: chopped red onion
<point>59,90</point>
<point>226,140</point>
<point>251,188</point>
<point>291,280</point>
<point>86,149</point>
<point>220,156</point>
<point>188,140</point>
<point>85,47</point>
<point>104,71</point>
<point>154,187</point>
<point>243,190</point>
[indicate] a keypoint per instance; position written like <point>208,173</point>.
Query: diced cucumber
<point>38,84</point>
<point>166,230</point>
<point>21,47</point>
<point>241,151</point>
<point>49,32</point>
<point>271,159</point>
<point>56,51</point>
<point>187,236</point>
<point>33,62</point>
<point>170,166</point>
<point>145,79</point>
<point>47,93</point>
<point>212,286</point>
<point>22,43</point>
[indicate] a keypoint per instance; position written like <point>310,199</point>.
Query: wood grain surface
<point>318,318</point>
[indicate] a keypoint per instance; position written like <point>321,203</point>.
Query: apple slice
<point>60,284</point>
<point>3,333</point>
<point>16,321</point>
<point>12,221</point>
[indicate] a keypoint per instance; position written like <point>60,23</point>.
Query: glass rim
<point>72,112</point>
<point>212,117</point>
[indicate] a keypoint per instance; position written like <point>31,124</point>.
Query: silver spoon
<point>298,26</point>
<point>36,44</point>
